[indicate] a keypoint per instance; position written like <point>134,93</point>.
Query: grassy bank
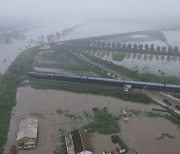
<point>24,62</point>
<point>92,89</point>
<point>176,95</point>
<point>7,101</point>
<point>8,87</point>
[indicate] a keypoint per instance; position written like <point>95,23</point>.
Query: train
<point>105,81</point>
<point>167,101</point>
<point>177,107</point>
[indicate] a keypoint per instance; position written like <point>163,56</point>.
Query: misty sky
<point>82,9</point>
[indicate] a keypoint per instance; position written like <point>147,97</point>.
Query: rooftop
<point>28,128</point>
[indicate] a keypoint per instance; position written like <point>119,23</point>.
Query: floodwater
<point>151,63</point>
<point>101,143</point>
<point>44,103</point>
<point>9,52</point>
<point>142,135</point>
<point>173,37</point>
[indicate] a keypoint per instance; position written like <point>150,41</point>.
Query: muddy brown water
<point>31,102</point>
<point>141,136</point>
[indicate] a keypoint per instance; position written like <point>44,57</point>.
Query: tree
<point>164,49</point>
<point>108,44</point>
<point>158,48</point>
<point>103,44</point>
<point>135,46</point>
<point>140,47</point>
<point>118,45</point>
<point>176,49</point>
<point>57,35</point>
<point>98,43</point>
<point>124,45</point>
<point>93,43</point>
<point>152,47</point>
<point>113,45</point>
<point>170,49</point>
<point>146,47</point>
<point>129,46</point>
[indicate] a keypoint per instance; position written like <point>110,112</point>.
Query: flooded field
<point>45,103</point>
<point>152,63</point>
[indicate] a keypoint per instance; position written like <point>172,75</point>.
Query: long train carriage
<point>105,81</point>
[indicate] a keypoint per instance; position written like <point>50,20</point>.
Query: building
<point>78,143</point>
<point>27,135</point>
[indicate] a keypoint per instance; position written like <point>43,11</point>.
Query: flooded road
<point>44,103</point>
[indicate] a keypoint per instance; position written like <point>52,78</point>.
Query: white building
<point>27,135</point>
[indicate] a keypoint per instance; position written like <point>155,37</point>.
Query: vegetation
<point>62,149</point>
<point>7,101</point>
<point>8,86</point>
<point>103,122</point>
<point>176,95</point>
<point>167,116</point>
<point>118,56</point>
<point>93,89</point>
<point>66,51</point>
<point>127,47</point>
<point>116,139</point>
<point>24,62</point>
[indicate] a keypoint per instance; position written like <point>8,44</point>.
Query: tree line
<point>130,46</point>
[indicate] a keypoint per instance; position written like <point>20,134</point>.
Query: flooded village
<point>59,113</point>
<point>96,84</point>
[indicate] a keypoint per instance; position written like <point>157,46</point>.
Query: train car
<point>145,85</point>
<point>167,101</point>
<point>105,81</point>
<point>177,107</point>
<point>172,88</point>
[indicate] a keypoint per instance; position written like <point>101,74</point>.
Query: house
<point>78,143</point>
<point>27,135</point>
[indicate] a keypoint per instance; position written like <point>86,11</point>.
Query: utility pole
<point>4,87</point>
<point>65,99</point>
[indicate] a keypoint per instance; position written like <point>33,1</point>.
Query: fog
<point>156,11</point>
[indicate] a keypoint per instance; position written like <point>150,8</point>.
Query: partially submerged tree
<point>140,47</point>
<point>146,47</point>
<point>158,48</point>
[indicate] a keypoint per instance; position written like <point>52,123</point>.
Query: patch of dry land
<point>59,110</point>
